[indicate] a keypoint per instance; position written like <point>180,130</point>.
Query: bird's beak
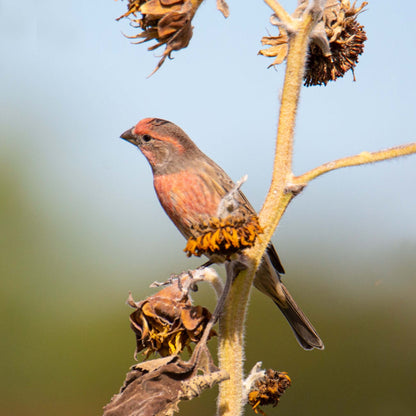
<point>129,136</point>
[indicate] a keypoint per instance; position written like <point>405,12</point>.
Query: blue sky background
<point>70,84</point>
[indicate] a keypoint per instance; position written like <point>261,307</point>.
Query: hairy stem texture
<point>231,351</point>
<point>232,322</point>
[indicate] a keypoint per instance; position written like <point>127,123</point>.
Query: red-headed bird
<point>190,187</point>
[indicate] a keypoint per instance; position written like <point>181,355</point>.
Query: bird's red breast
<point>187,198</point>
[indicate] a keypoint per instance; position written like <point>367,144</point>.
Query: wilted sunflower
<point>268,390</point>
<point>166,21</point>
<point>167,322</point>
<point>224,236</point>
<point>336,43</point>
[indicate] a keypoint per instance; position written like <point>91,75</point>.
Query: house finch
<point>190,187</point>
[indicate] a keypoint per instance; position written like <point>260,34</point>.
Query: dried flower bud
<point>346,39</point>
<point>267,390</point>
<point>166,322</point>
<point>336,43</point>
<point>166,21</point>
<point>223,236</point>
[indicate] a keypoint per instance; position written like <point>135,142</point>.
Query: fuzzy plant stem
<point>279,195</point>
<point>231,346</point>
<point>284,187</point>
<point>232,321</point>
<point>362,158</point>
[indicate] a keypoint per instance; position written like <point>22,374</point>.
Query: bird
<point>190,187</point>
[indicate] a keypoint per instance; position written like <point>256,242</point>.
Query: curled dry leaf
<point>155,388</point>
<point>222,6</point>
<point>336,42</point>
<point>167,322</point>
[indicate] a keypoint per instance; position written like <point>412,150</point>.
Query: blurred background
<point>80,225</point>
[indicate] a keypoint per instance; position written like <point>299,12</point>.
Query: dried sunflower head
<point>223,236</point>
<point>167,322</point>
<point>336,43</point>
<point>166,21</point>
<point>268,389</point>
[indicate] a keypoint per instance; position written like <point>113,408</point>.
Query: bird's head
<point>164,144</point>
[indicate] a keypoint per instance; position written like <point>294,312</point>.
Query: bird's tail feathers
<point>305,333</point>
<point>268,281</point>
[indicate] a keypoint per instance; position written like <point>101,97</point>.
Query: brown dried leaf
<point>281,53</point>
<point>157,8</point>
<point>178,41</point>
<point>222,6</point>
<point>171,2</point>
<point>156,387</point>
<point>194,318</point>
<point>277,49</point>
<point>170,23</point>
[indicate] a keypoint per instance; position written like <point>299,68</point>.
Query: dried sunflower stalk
<point>167,322</point>
<point>336,42</point>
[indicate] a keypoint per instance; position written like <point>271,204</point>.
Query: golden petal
<point>234,238</point>
<point>217,236</point>
<point>204,245</point>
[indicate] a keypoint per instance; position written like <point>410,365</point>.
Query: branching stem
<point>360,159</point>
<point>280,12</point>
<point>284,187</point>
<point>231,352</point>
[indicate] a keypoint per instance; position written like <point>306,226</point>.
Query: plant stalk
<point>232,321</point>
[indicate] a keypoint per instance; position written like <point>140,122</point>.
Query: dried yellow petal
<point>223,236</point>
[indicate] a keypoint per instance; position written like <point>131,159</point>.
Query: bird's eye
<point>146,138</point>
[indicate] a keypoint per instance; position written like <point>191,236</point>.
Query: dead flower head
<point>336,43</point>
<point>166,322</point>
<point>223,236</point>
<point>267,390</point>
<point>166,21</point>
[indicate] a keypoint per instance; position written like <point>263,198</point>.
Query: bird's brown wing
<point>274,258</point>
<point>267,278</point>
